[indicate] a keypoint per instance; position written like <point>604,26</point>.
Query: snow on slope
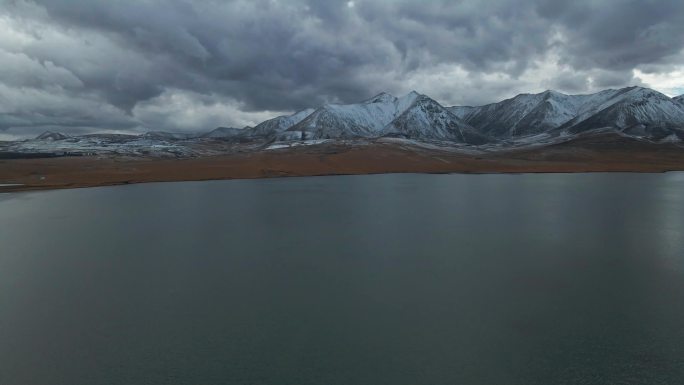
<point>643,111</point>
<point>634,110</point>
<point>464,112</point>
<point>105,144</point>
<point>679,99</point>
<point>525,114</point>
<point>263,130</point>
<point>277,125</point>
<point>49,135</point>
<point>366,119</point>
<point>419,117</point>
<point>427,119</point>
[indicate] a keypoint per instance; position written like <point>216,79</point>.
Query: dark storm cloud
<point>618,34</point>
<point>126,64</point>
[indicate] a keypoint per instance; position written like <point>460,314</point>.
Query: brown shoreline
<point>595,154</point>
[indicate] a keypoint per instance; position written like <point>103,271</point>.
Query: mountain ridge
<point>427,119</point>
<point>635,111</point>
<point>345,121</point>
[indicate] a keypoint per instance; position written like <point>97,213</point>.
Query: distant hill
<point>223,132</point>
<point>49,135</point>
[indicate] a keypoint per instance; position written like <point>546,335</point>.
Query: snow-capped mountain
<point>526,114</point>
<point>427,119</point>
<point>366,119</point>
<point>632,111</point>
<point>49,135</point>
<point>521,115</point>
<point>635,111</point>
<point>264,130</point>
<point>277,125</point>
<point>413,116</point>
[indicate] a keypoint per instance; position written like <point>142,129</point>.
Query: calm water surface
<point>393,279</point>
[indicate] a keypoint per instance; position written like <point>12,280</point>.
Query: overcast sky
<point>181,65</point>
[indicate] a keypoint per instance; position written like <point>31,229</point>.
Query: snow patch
<point>281,145</point>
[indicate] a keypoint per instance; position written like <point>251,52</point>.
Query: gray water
<point>392,279</point>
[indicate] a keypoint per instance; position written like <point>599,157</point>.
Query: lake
<point>384,279</point>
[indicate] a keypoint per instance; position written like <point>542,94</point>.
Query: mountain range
<point>632,111</point>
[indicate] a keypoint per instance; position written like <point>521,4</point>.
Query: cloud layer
<point>181,65</point>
